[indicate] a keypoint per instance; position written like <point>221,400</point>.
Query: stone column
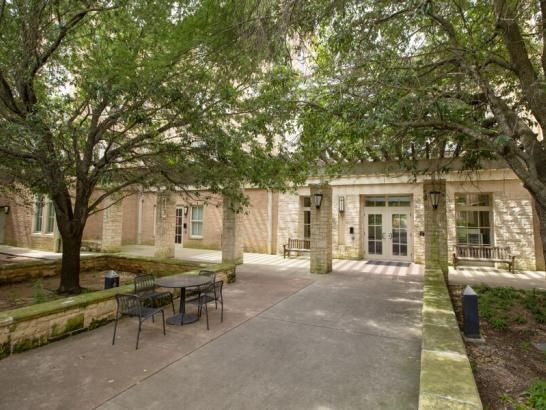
<point>112,226</point>
<point>321,229</point>
<point>232,241</point>
<point>436,249</point>
<point>165,225</point>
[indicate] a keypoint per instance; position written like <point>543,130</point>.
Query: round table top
<point>182,281</point>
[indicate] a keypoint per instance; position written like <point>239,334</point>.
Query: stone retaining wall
<point>21,271</point>
<point>446,380</point>
<point>31,326</point>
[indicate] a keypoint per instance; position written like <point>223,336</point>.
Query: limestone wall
<point>512,217</point>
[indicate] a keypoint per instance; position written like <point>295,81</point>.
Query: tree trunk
<point>70,269</point>
<point>541,212</point>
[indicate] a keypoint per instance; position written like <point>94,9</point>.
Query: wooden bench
<point>484,254</point>
<point>296,245</point>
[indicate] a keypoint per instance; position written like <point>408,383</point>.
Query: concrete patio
<point>290,340</point>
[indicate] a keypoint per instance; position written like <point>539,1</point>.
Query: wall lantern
<point>186,209</point>
<point>318,200</point>
<point>434,198</point>
<point>5,209</point>
<point>341,204</point>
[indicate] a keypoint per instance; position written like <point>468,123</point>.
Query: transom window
<point>197,221</point>
<point>390,200</point>
<point>474,218</point>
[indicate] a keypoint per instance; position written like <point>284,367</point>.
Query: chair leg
<point>221,310</point>
<point>115,328</point>
<point>138,334</point>
<point>163,317</point>
<point>207,315</point>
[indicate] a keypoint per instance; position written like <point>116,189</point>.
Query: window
<point>474,219</point>
<point>155,221</point>
<point>38,213</point>
<point>50,221</point>
<point>307,217</point>
<point>391,200</point>
<point>179,225</point>
<point>197,221</point>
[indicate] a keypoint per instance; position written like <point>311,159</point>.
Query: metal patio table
<point>182,282</point>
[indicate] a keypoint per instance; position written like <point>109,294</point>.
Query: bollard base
<point>477,340</point>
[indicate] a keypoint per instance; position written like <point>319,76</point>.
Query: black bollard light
<point>471,318</point>
<point>111,280</point>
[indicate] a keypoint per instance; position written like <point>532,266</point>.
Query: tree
<point>423,79</point>
<point>98,96</point>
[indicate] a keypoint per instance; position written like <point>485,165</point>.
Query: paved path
<point>470,275</point>
<point>290,340</point>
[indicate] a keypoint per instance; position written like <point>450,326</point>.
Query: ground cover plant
<point>510,367</point>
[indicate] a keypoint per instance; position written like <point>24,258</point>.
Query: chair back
<point>211,274</point>
<point>128,304</point>
<point>144,282</point>
<point>218,290</point>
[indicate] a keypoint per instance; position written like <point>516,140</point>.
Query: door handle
<point>383,235</point>
<point>390,235</point>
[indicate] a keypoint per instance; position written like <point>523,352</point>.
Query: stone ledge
<point>446,379</point>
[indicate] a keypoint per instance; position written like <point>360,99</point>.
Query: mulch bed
<point>508,361</point>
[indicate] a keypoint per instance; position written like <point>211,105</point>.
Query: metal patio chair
<point>145,287</point>
<point>210,293</point>
<point>194,293</point>
<point>132,305</point>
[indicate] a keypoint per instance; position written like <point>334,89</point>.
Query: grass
<point>496,304</point>
<point>533,398</point>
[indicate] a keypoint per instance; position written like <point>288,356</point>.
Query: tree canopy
<point>112,94</point>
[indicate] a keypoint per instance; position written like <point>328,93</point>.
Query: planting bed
<point>29,292</point>
<point>510,367</point>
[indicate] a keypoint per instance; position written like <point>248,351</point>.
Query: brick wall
<point>130,219</point>
<point>255,222</point>
<point>18,222</point>
<point>289,218</point>
<point>346,245</point>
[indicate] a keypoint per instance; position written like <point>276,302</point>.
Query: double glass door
<point>388,234</point>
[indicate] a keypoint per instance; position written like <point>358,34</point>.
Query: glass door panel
<point>179,226</point>
<point>399,235</point>
<point>375,234</point>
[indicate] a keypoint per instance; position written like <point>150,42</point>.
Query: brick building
<point>373,212</point>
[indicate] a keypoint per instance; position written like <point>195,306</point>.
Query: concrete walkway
<point>477,275</point>
<point>290,340</point>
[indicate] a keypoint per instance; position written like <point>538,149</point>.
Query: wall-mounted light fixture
<point>4,209</point>
<point>341,204</point>
<point>434,198</point>
<point>318,200</point>
<point>186,210</point>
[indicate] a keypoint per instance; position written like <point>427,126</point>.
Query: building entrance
<point>387,227</point>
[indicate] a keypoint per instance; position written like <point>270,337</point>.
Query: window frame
<point>306,211</point>
<point>478,209</point>
<point>50,220</point>
<point>197,221</point>
<point>39,204</point>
